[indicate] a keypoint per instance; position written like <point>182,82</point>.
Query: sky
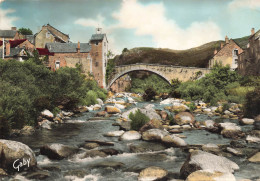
<point>174,24</point>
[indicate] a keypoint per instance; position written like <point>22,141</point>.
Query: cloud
<point>252,4</point>
<point>151,20</point>
<point>91,22</point>
<point>6,22</point>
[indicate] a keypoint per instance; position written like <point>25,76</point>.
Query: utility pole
<point>3,48</point>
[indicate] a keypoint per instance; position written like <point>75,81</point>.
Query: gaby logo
<point>20,163</point>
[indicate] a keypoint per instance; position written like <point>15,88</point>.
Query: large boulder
<point>209,123</point>
<point>252,139</point>
<point>152,173</point>
<point>58,151</point>
<point>230,130</point>
<point>47,114</point>
<point>172,140</point>
<point>205,175</point>
<point>184,118</point>
<point>154,135</point>
<point>131,135</point>
<point>200,160</point>
<point>100,102</point>
<point>112,110</point>
<point>13,152</point>
<point>247,121</point>
<point>148,111</point>
<point>152,124</point>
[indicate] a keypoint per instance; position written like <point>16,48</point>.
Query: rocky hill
<point>194,57</point>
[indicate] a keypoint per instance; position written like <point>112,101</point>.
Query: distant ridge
<point>194,57</point>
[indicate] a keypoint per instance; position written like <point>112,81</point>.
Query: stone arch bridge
<point>167,72</point>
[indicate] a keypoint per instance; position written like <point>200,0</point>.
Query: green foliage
<point>27,88</point>
<point>25,31</point>
<point>110,68</point>
<point>251,106</point>
<point>56,111</point>
<point>149,94</point>
<point>214,87</point>
<point>192,106</point>
<point>91,98</point>
<point>225,106</point>
<point>5,127</point>
<point>138,120</point>
<point>138,85</point>
<point>125,50</point>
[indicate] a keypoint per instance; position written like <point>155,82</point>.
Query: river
<point>125,166</point>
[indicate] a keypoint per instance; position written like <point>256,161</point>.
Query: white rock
<point>227,112</point>
<point>47,113</point>
<point>247,121</point>
<point>252,139</point>
<point>131,135</point>
<point>115,133</point>
<point>100,102</point>
<point>207,110</point>
<point>213,109</point>
<point>119,106</point>
<point>209,123</point>
<point>230,126</point>
<point>186,126</point>
<point>173,140</point>
<point>154,135</point>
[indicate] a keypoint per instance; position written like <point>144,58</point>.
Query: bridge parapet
<point>167,72</point>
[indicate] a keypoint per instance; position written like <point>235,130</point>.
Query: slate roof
<point>68,47</point>
<point>7,33</point>
<point>97,37</point>
<point>13,52</point>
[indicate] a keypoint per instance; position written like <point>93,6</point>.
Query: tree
<point>25,31</point>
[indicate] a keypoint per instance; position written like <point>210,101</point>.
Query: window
<point>48,34</point>
<point>236,52</point>
<point>104,44</point>
<point>96,43</point>
<point>96,64</point>
<point>57,64</point>
<point>236,61</point>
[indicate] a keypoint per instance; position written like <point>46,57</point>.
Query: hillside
<point>194,57</point>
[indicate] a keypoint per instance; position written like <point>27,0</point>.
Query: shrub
<point>138,120</point>
<point>251,106</point>
<point>91,98</point>
<point>192,106</point>
<point>56,111</point>
<point>149,94</point>
<point>5,127</point>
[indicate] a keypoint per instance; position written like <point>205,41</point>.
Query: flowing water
<point>124,166</point>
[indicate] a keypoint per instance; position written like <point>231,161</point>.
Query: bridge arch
<point>120,74</point>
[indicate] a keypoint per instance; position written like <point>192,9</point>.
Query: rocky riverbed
<point>96,143</point>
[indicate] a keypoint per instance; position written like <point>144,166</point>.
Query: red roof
<point>15,43</point>
<point>1,42</point>
<point>44,51</point>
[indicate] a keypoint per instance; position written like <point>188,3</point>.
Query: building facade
<point>227,55</point>
<point>49,34</point>
<point>249,60</point>
<point>92,56</point>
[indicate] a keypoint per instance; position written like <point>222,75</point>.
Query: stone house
<point>249,60</point>
<point>91,56</point>
<point>49,34</point>
<point>227,55</point>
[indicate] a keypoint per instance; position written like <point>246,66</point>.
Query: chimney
<point>221,45</point>
<point>252,31</point>
<point>7,49</point>
<point>13,28</point>
<point>215,52</point>
<point>226,39</point>
<point>78,48</point>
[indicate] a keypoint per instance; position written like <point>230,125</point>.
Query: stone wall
<point>249,60</point>
<point>70,60</point>
<point>43,37</point>
<point>121,84</point>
